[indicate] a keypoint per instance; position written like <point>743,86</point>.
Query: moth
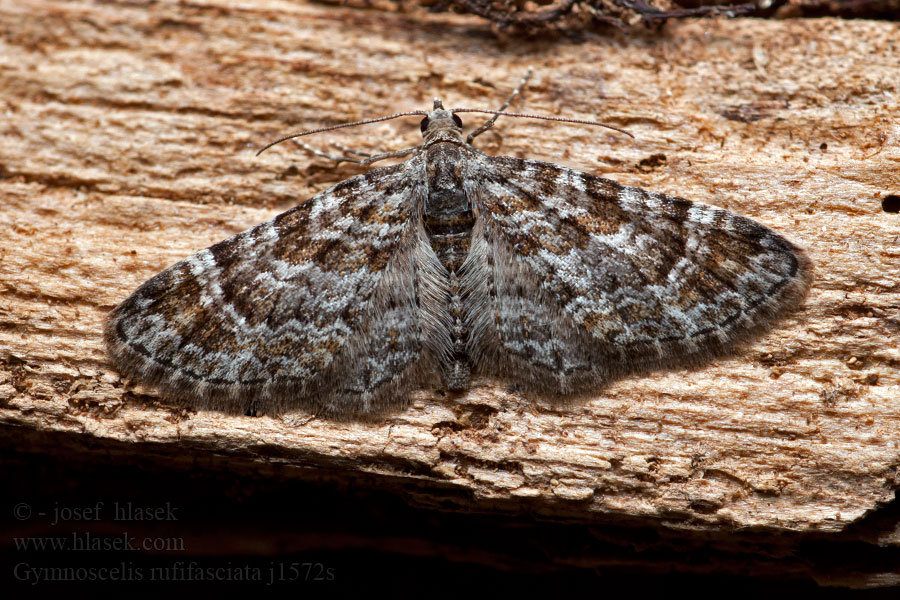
<point>450,265</point>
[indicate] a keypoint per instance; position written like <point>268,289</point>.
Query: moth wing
<point>590,279</point>
<point>314,308</point>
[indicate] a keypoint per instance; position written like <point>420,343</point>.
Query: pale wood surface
<point>128,143</point>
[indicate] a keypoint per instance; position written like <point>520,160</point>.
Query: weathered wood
<point>128,143</point>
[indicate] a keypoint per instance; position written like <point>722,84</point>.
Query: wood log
<point>129,136</point>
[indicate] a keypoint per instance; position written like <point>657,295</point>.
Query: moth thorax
<point>447,217</point>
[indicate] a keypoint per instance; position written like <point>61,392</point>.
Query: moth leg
<point>351,151</point>
<point>370,158</point>
<point>490,122</point>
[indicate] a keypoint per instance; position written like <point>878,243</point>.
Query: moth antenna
<point>541,117</point>
<point>333,127</point>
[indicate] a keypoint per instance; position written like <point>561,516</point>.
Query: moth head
<point>441,120</point>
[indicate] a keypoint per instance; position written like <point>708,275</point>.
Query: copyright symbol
<point>22,511</point>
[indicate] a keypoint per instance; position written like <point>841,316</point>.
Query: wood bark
<point>129,134</point>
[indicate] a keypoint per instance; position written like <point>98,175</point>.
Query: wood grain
<point>129,135</point>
